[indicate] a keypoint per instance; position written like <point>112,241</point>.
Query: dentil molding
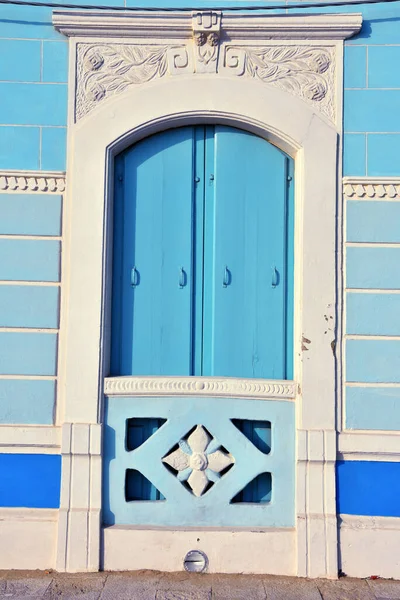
<point>199,386</point>
<point>371,188</point>
<point>296,54</point>
<point>32,181</point>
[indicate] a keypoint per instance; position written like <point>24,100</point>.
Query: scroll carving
<point>105,70</point>
<point>305,71</point>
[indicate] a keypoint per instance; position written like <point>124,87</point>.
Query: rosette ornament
<point>198,460</point>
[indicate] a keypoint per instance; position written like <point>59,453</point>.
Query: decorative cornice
<point>371,188</point>
<point>32,181</point>
<point>295,53</point>
<point>178,25</point>
<point>199,386</point>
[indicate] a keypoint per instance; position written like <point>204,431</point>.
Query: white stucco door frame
<point>132,75</point>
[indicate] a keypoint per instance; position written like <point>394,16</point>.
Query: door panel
<point>245,269</point>
<point>153,232</point>
<point>203,256</point>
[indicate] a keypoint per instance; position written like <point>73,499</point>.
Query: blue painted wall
<point>30,229</point>
<point>372,277</point>
<point>33,136</point>
<point>368,488</point>
<point>33,113</point>
<point>30,480</point>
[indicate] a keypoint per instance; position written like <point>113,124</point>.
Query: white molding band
<point>28,514</point>
<point>180,25</point>
<point>200,386</point>
<point>376,446</point>
<point>32,181</point>
<point>30,439</point>
<point>371,188</point>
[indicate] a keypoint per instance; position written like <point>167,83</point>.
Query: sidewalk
<point>150,585</point>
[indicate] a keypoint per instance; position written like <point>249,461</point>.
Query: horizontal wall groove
<point>371,291</point>
<point>33,125</point>
<point>370,385</point>
<point>33,83</point>
<point>361,336</point>
<point>374,199</point>
<point>371,244</point>
<point>27,330</point>
<point>28,283</point>
<point>30,377</point>
<point>19,236</point>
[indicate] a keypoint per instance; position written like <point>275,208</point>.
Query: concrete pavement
<point>150,585</point>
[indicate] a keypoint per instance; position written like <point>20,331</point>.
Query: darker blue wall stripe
<point>368,488</point>
<point>30,480</point>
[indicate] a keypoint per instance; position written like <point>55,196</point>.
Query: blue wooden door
<point>203,256</point>
<point>152,274</point>
<point>246,283</point>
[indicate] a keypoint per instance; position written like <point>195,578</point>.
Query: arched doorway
<point>202,286</point>
<point>203,256</point>
<point>85,381</point>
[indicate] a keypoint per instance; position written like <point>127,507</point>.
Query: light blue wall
<point>27,400</point>
<point>372,353</point>
<point>373,407</point>
<point>30,229</point>
<point>33,90</point>
<point>28,214</point>
<point>33,113</point>
<point>372,148</point>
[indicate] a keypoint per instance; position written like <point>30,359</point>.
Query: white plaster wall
<point>27,538</point>
<point>269,551</point>
<point>369,546</point>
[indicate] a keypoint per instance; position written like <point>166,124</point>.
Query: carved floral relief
<point>198,462</point>
<point>105,70</point>
<point>305,71</point>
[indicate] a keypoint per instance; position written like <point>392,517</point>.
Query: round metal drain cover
<point>195,561</point>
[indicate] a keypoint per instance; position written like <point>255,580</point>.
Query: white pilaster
<point>78,547</point>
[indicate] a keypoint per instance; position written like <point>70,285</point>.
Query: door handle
<point>182,277</point>
<point>227,277</point>
<point>275,277</point>
<point>134,277</point>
